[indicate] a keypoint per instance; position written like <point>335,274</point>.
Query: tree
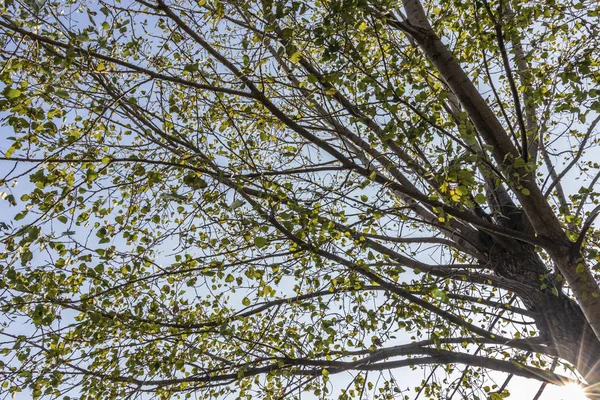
<point>252,197</point>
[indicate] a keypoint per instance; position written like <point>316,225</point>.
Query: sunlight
<point>571,391</point>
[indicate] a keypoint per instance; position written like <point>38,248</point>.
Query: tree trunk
<point>559,318</point>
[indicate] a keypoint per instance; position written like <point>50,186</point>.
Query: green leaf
<point>191,67</point>
<point>462,190</point>
<point>12,93</point>
<point>194,181</point>
<point>11,199</point>
<point>26,256</point>
<point>62,94</point>
<point>480,198</point>
<point>260,242</point>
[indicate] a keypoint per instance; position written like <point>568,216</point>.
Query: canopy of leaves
<point>248,198</point>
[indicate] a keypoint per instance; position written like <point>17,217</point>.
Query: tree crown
<point>247,198</point>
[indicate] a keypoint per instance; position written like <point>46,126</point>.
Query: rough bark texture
<point>558,317</point>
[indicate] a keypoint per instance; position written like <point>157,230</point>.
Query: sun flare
<point>570,391</point>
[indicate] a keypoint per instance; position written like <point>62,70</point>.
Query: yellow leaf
<point>295,57</point>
